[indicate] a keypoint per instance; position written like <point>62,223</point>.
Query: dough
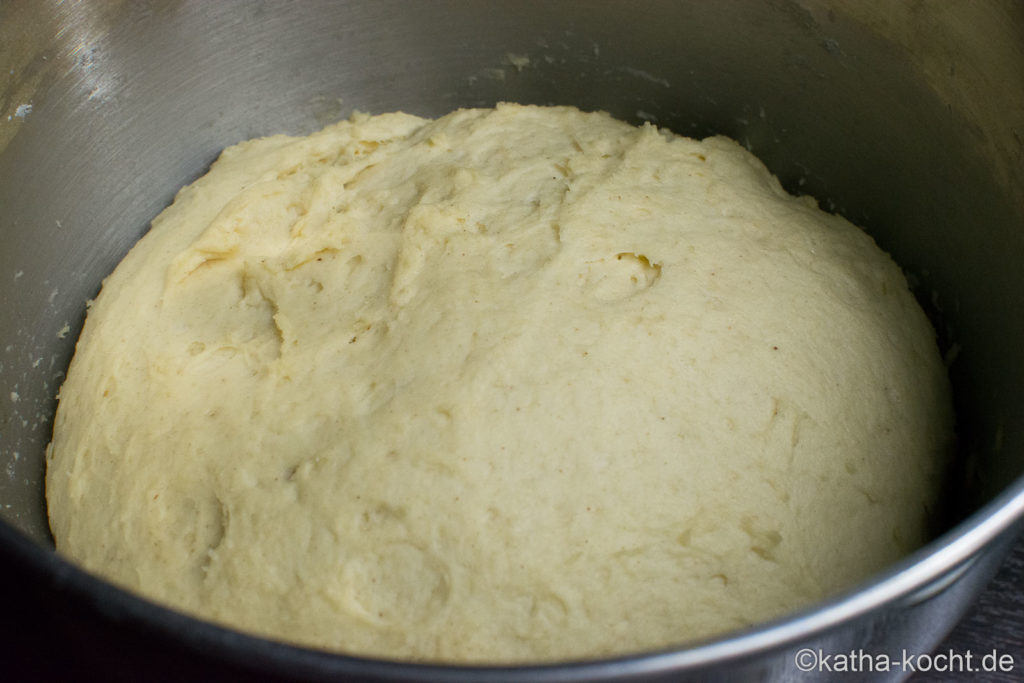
<point>517,384</point>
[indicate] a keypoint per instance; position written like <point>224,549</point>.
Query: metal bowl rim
<point>952,550</point>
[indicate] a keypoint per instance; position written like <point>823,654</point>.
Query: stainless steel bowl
<point>908,118</point>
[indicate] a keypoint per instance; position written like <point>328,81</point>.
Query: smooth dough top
<point>517,384</point>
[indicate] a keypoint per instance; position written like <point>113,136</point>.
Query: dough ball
<point>514,385</point>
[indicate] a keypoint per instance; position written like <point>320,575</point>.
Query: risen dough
<point>514,384</point>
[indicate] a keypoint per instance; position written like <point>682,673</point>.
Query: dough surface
<point>517,384</point>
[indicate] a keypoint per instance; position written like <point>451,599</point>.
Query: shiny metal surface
<point>906,117</point>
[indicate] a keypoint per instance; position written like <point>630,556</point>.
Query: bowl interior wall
<point>130,101</point>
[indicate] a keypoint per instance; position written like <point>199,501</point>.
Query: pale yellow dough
<point>518,384</point>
